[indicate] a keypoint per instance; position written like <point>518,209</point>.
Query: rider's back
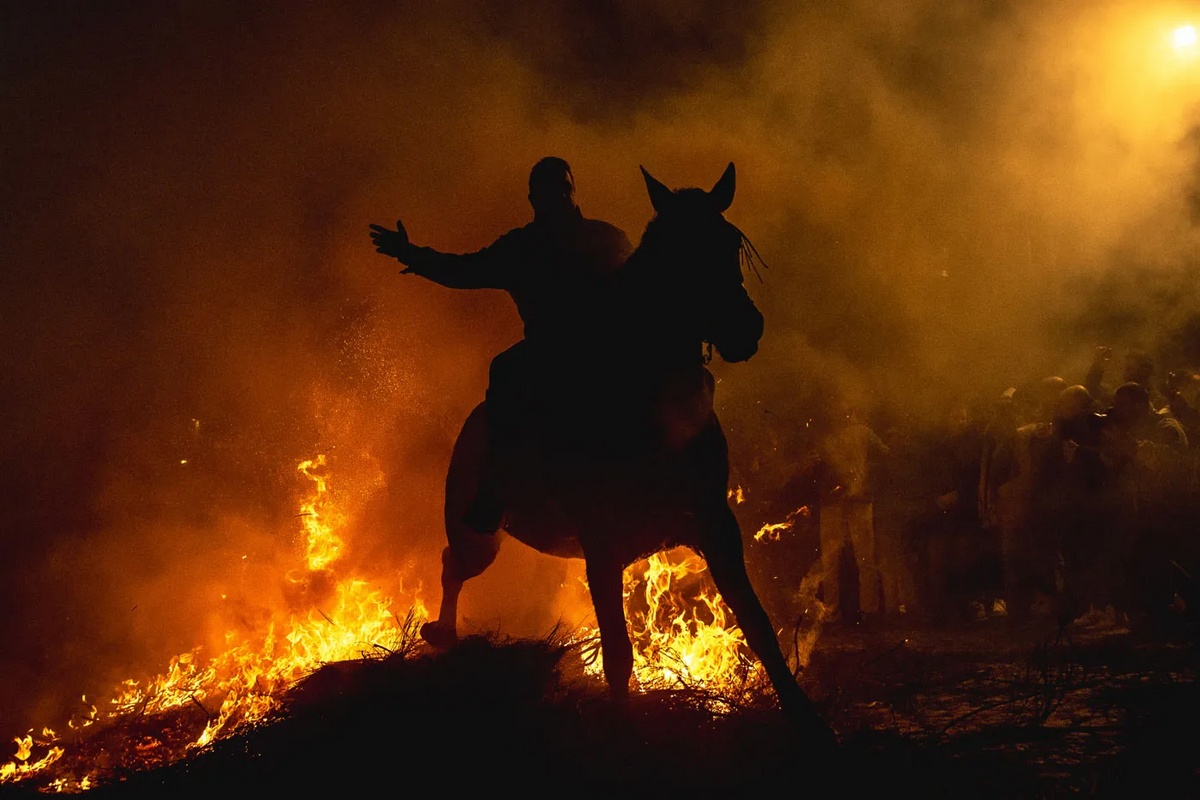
<point>555,273</point>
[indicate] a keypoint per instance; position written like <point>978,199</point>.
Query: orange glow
<point>1137,76</point>
<point>245,682</point>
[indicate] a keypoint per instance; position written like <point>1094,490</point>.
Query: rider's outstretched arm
<point>489,268</point>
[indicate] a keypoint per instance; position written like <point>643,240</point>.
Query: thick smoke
<point>951,198</point>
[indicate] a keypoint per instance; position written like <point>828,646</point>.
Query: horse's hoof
<point>438,634</point>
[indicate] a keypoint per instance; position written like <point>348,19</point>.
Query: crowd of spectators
<point>1072,502</point>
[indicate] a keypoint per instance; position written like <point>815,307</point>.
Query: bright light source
<point>1184,37</point>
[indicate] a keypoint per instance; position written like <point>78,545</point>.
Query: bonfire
<point>686,641</point>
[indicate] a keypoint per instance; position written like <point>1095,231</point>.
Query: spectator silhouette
<point>849,453</point>
<point>897,519</point>
<point>954,533</point>
<point>1147,452</point>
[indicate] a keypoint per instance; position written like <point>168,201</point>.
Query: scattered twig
<point>200,705</point>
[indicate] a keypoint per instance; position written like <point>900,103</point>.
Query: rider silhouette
<point>550,267</point>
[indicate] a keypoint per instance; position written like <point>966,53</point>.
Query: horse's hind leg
<point>725,558</point>
<point>467,555</point>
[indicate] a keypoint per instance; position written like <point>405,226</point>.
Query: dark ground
<point>986,709</point>
<point>1021,711</point>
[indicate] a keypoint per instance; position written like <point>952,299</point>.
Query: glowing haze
<point>951,198</point>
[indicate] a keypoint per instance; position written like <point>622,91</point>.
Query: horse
<point>664,483</point>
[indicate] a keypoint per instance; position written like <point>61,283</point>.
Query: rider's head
<point>552,189</point>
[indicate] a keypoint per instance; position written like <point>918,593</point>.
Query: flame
<point>684,637</point>
<point>244,683</point>
<point>15,771</point>
<point>772,531</point>
<point>683,633</point>
<point>323,547</point>
<point>24,747</point>
<point>804,598</point>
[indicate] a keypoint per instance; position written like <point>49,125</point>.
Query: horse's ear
<point>722,191</point>
<point>660,195</point>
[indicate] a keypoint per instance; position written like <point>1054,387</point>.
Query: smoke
<point>602,63</point>
<point>951,198</point>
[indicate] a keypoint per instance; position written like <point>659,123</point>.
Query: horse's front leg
<point>725,557</point>
<point>606,584</point>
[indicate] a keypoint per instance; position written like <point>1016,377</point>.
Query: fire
<point>22,768</point>
<point>323,547</point>
<point>236,687</point>
<point>772,531</point>
<point>684,635</point>
<point>699,645</point>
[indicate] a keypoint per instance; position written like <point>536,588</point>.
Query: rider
<point>549,267</point>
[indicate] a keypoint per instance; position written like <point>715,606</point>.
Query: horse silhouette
<point>651,470</point>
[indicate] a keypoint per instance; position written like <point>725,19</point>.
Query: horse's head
<point>699,255</point>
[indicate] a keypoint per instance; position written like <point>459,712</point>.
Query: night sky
<point>951,198</point>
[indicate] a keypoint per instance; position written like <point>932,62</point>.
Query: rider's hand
<point>391,243</point>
